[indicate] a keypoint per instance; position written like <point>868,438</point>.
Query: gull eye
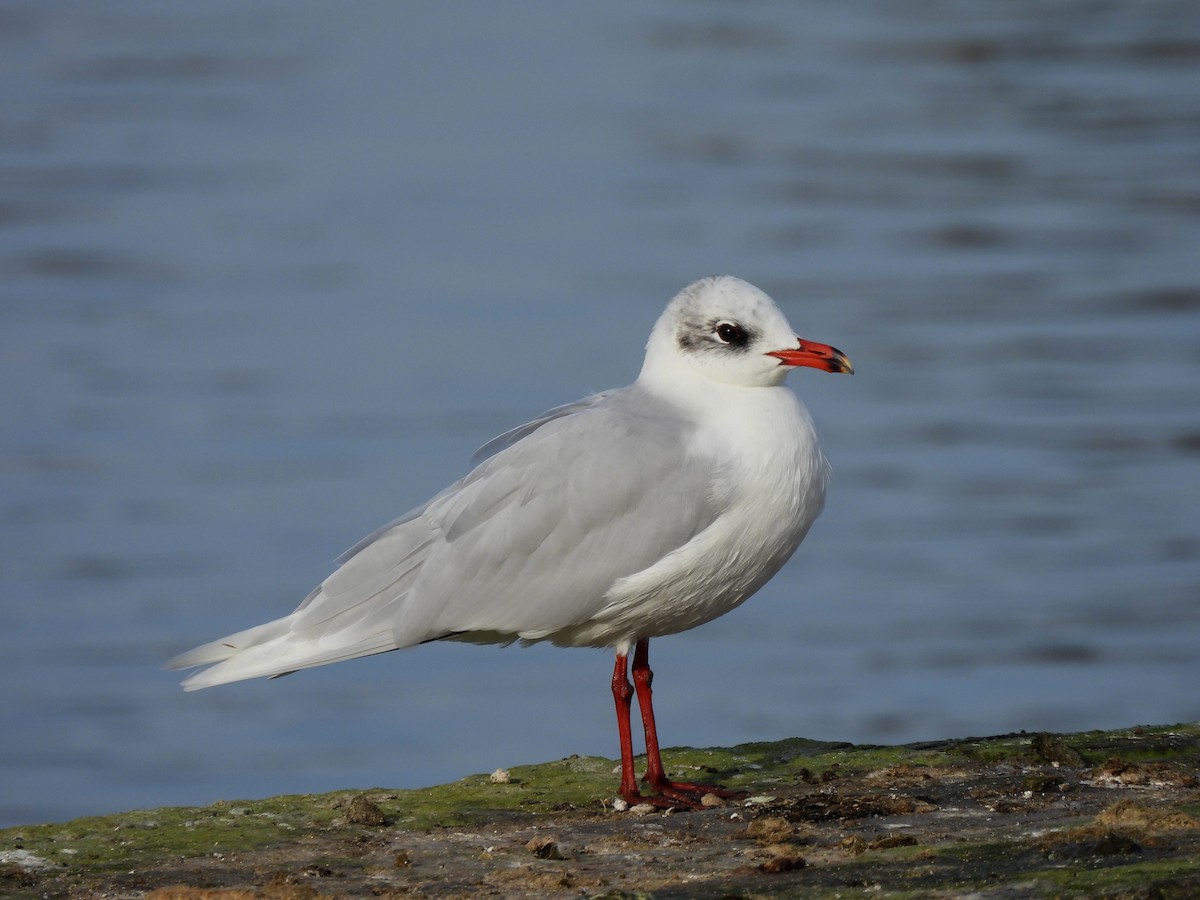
<point>731,333</point>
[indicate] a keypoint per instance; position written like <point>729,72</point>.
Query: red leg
<point>671,793</point>
<point>623,694</point>
<point>655,775</point>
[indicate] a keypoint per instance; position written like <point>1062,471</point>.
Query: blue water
<point>272,271</point>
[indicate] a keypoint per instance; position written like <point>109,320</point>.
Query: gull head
<point>728,331</point>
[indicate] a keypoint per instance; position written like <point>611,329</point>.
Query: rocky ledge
<point>1113,814</point>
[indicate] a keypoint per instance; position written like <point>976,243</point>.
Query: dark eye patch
<point>731,333</point>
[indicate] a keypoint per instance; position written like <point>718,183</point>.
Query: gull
<point>630,514</point>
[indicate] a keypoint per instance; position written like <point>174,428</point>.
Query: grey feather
<point>524,546</point>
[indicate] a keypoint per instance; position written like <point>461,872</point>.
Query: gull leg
<point>622,695</point>
<point>682,793</point>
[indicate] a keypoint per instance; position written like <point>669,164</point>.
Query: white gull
<point>630,514</point>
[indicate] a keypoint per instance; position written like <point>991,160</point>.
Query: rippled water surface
<point>271,271</point>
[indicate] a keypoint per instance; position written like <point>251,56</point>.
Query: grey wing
<point>537,535</point>
<point>485,452</point>
<point>525,545</point>
<point>510,437</point>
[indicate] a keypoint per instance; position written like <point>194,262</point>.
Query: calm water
<point>271,271</point>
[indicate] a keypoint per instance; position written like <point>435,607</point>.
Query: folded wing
<point>523,547</point>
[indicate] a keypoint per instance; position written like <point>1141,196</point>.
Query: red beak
<point>819,356</point>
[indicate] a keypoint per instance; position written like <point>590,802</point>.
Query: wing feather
<point>524,546</point>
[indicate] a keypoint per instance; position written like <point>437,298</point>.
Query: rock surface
<point>1094,814</point>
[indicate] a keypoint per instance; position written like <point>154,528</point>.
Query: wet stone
<point>1054,749</point>
<point>771,830</point>
<point>544,848</point>
<point>1115,844</point>
<point>783,864</point>
<point>893,840</point>
<point>364,811</point>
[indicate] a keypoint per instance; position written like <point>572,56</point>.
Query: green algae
<point>1157,878</point>
<point>127,839</point>
<point>1008,769</point>
<point>533,790</point>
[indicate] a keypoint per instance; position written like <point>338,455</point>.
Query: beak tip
<point>818,356</point>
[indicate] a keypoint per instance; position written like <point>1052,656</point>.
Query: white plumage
<point>634,513</point>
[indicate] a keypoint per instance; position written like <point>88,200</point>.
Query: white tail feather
<point>282,655</point>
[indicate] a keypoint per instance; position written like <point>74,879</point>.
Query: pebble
<point>544,848</point>
<point>771,830</point>
<point>364,811</point>
<point>778,864</point>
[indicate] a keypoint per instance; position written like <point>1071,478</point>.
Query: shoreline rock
<point>1113,813</point>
